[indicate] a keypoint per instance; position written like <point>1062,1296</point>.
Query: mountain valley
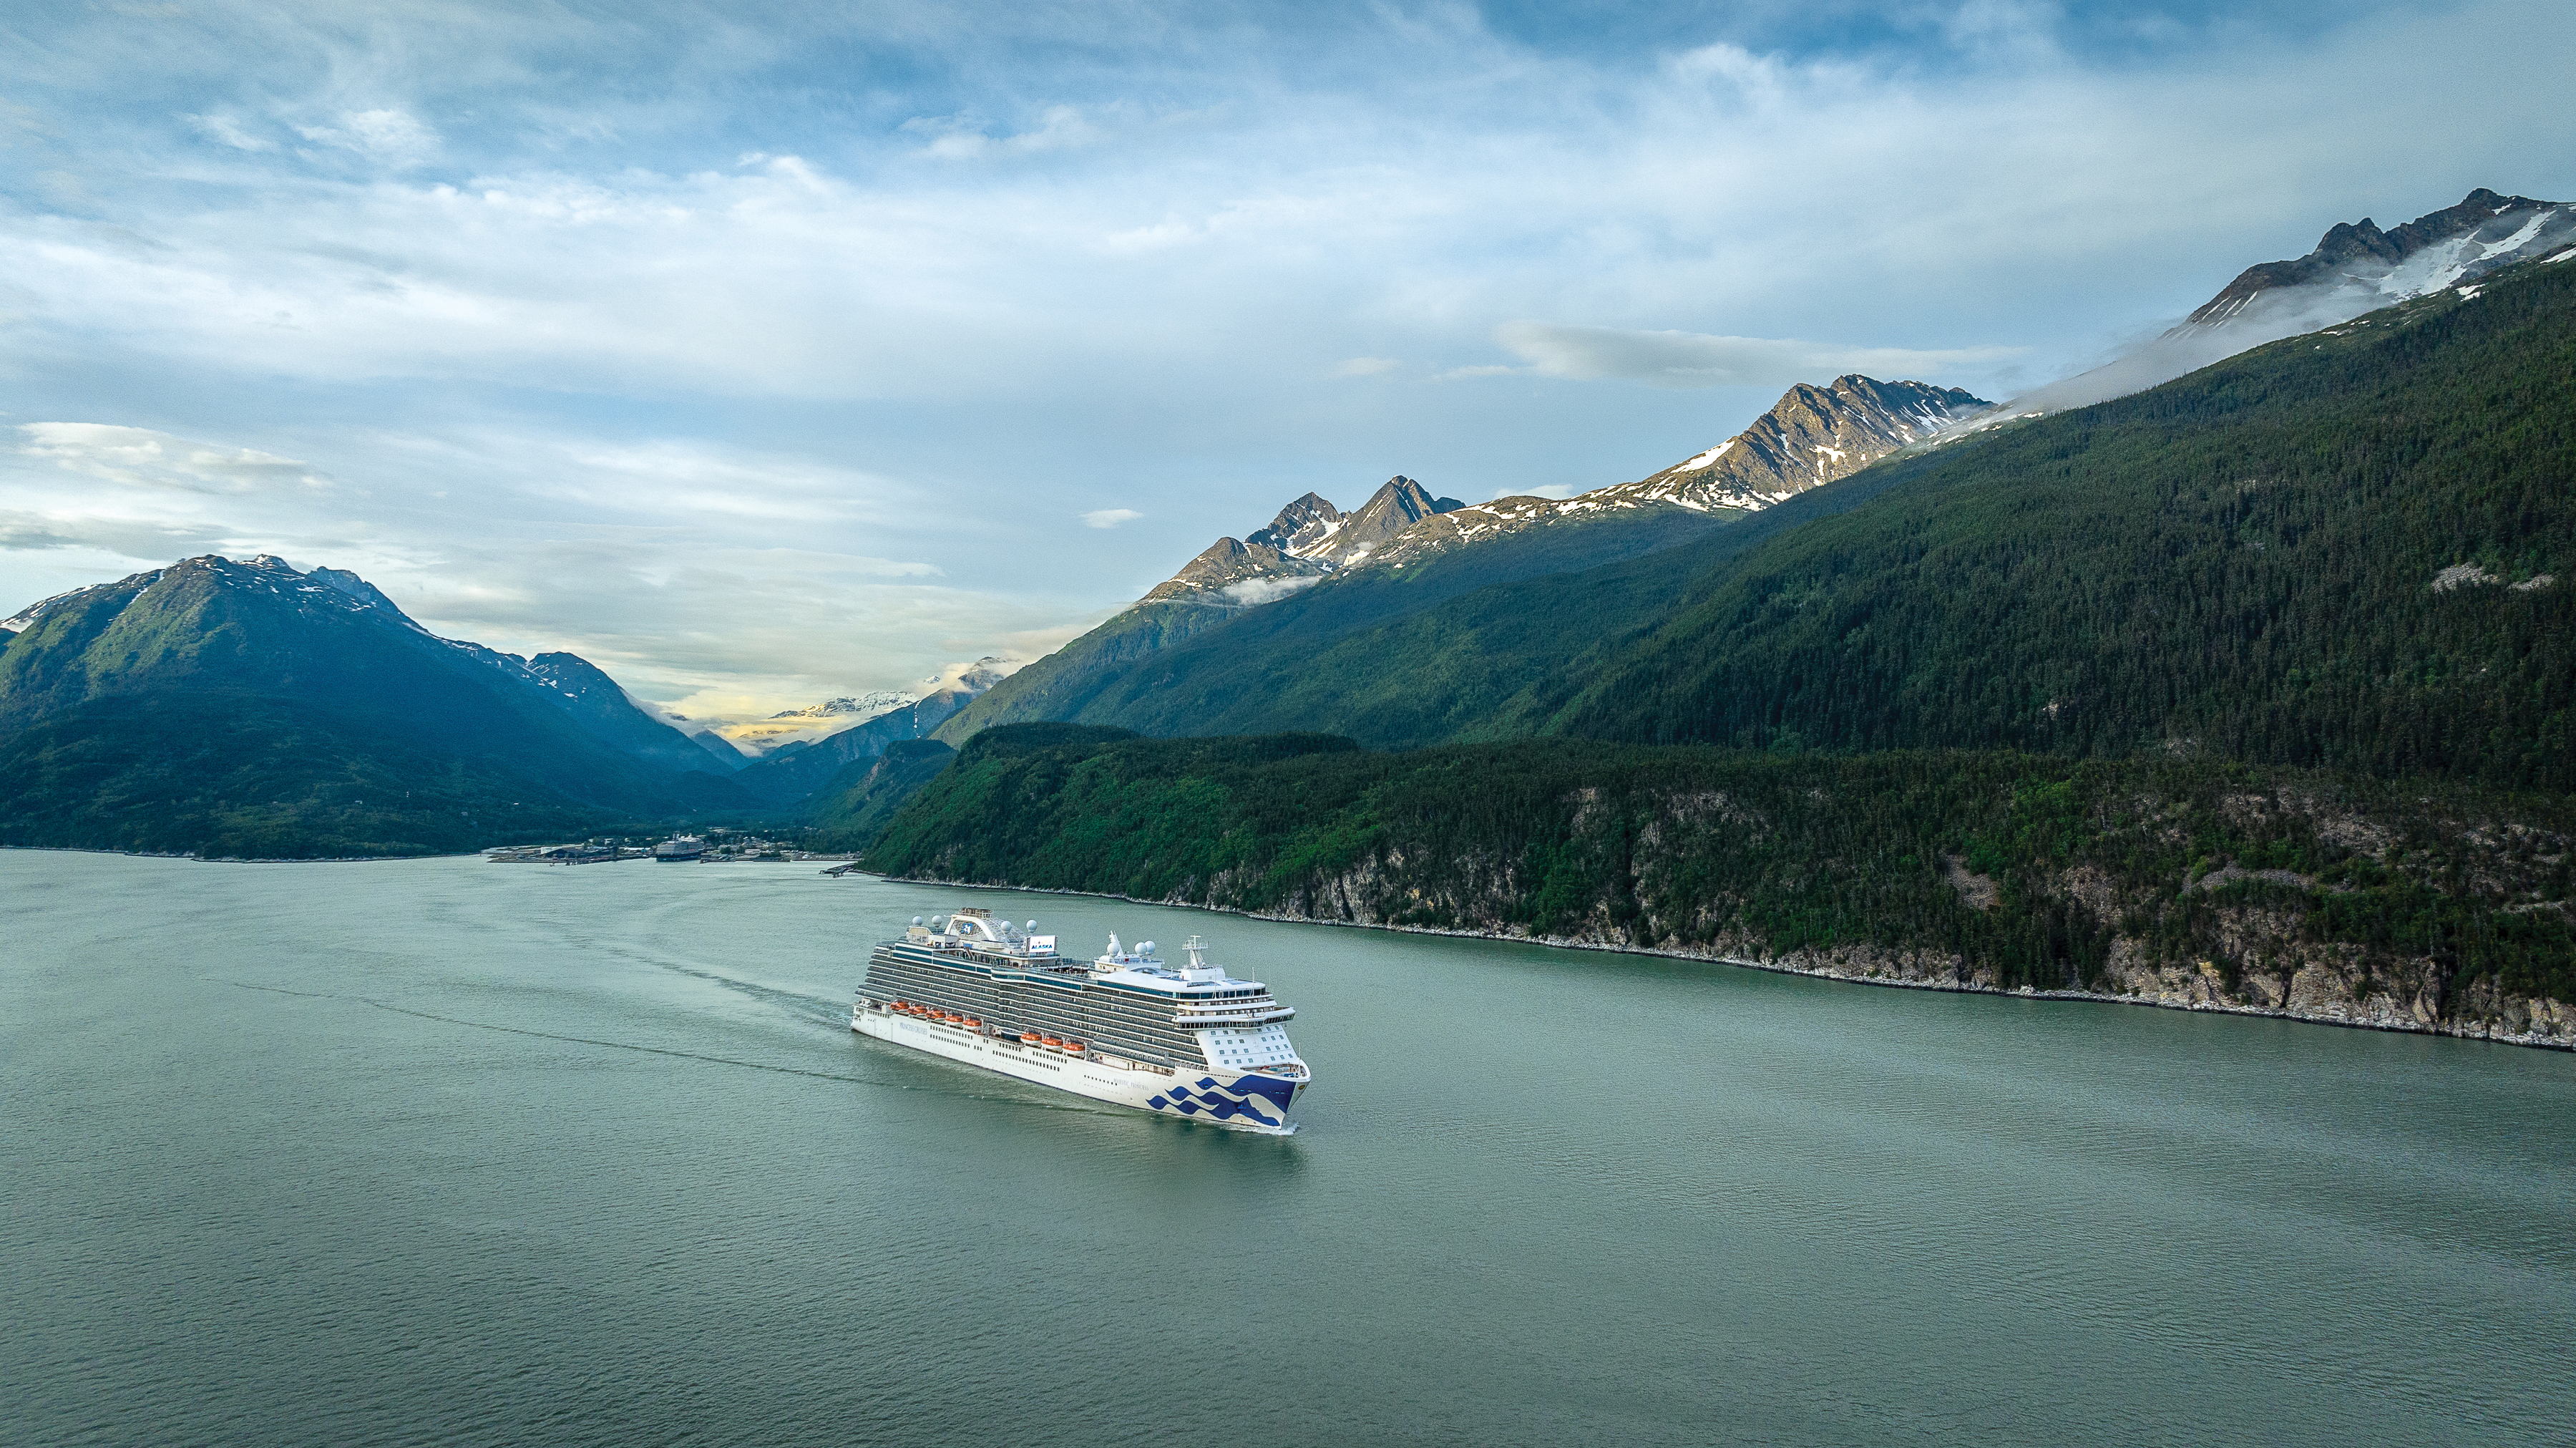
<point>2246,690</point>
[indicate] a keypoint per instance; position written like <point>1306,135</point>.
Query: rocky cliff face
<point>2248,943</point>
<point>2216,936</point>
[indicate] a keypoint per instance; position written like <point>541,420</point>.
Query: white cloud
<point>1690,359</point>
<point>386,134</point>
<point>964,137</point>
<point>1265,590</point>
<point>1365,366</point>
<point>136,457</point>
<point>1109,517</point>
<point>228,131</point>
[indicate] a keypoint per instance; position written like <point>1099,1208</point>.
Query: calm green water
<point>444,1152</point>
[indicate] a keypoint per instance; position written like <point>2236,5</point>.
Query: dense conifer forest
<point>2029,867</point>
<point>2356,549</point>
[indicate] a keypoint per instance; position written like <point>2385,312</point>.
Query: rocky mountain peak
<point>1812,436</point>
<point>1230,563</point>
<point>1302,525</point>
<point>1395,506</point>
<point>2356,267</point>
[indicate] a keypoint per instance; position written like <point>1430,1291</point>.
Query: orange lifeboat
<point>1031,1038</point>
<point>1076,1047</point>
<point>1051,1041</point>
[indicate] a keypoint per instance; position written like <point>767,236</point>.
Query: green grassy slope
<point>2243,559</point>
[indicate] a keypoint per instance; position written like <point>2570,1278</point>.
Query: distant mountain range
<point>817,722</point>
<point>1814,436</point>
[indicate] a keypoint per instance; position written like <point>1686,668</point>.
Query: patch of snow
<point>1704,459</point>
<point>2520,238</point>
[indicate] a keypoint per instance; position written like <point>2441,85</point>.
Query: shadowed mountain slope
<point>243,707</point>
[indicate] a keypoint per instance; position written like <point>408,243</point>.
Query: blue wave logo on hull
<point>1209,1101</point>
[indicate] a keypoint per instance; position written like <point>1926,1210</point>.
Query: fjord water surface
<point>447,1152</point>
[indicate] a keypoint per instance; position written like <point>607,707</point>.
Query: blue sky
<point>765,353</point>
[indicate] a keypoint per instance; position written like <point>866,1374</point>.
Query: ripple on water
<point>433,1152</point>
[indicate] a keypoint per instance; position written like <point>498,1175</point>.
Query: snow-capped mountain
<point>1301,527</point>
<point>761,737</point>
<point>2358,268</point>
<point>1309,539</point>
<point>2355,268</point>
<point>1814,436</point>
<point>863,706</point>
<point>1811,437</point>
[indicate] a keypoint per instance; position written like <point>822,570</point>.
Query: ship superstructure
<point>1188,1041</point>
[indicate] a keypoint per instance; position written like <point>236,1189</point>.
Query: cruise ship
<point>1188,1041</point>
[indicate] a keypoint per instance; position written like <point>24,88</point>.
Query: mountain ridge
<point>1811,437</point>
<point>231,706</point>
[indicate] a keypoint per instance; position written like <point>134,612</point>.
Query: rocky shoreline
<point>2314,994</point>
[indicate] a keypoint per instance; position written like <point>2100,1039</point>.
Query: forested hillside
<point>1189,665</point>
<point>2243,562</point>
<point>2182,882</point>
<point>237,708</point>
<point>2355,549</point>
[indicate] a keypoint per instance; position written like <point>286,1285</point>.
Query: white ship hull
<point>1236,1101</point>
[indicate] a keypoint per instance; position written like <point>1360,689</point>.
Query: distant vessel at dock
<point>1192,1042</point>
